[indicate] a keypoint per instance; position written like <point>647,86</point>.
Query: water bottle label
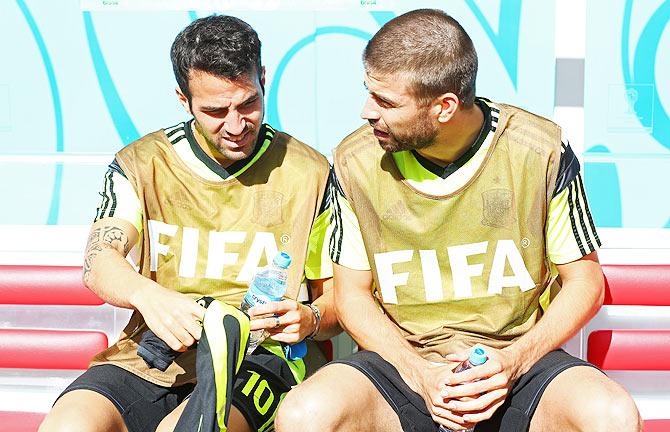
<point>267,288</point>
<point>254,298</point>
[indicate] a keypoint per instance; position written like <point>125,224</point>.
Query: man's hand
<point>428,381</point>
<point>171,315</point>
<point>478,392</point>
<point>287,321</point>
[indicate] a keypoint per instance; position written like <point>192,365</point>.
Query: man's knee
<point>337,398</point>
<point>304,409</point>
<point>68,421</point>
<point>609,407</point>
<point>614,411</point>
<point>85,411</point>
<point>584,399</point>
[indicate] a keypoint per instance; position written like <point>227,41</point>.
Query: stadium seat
<point>632,349</point>
<point>64,349</point>
<point>15,421</point>
<point>52,326</point>
<point>656,425</point>
<point>49,349</point>
<point>44,285</point>
<point>38,349</point>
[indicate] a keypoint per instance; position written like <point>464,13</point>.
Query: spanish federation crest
<point>268,208</point>
<point>497,209</point>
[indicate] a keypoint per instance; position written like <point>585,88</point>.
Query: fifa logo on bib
<point>220,250</point>
<point>463,266</point>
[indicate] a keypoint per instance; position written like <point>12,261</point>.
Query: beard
<point>214,142</point>
<point>419,135</point>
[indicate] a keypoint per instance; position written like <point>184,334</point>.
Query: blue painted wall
<point>78,82</point>
<point>627,103</point>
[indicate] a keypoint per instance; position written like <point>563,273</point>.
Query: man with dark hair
<point>458,222</point>
<point>202,205</point>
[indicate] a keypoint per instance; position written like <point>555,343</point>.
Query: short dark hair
<point>430,49</point>
<point>220,45</point>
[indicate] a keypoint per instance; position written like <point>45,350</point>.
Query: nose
<point>235,123</point>
<point>370,111</point>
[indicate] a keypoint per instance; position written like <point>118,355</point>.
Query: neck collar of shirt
<point>237,166</point>
<point>446,171</point>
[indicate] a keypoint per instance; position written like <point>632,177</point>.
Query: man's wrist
<point>522,359</point>
<point>317,320</point>
<point>413,373</point>
<point>139,294</point>
<point>135,298</point>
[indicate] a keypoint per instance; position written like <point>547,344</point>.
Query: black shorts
<point>259,385</point>
<point>513,416</point>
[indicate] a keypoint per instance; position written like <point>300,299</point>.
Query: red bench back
<point>44,285</point>
<point>31,348</point>
<point>633,349</point>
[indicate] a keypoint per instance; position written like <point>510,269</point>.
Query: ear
<point>262,79</point>
<point>183,100</point>
<point>446,106</point>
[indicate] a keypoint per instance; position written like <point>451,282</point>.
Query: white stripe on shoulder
<point>495,109</point>
<point>178,134</point>
<point>173,128</point>
<point>495,115</point>
<point>108,205</point>
<point>175,133</point>
<point>120,200</point>
<point>335,241</point>
<point>586,222</point>
<point>105,194</point>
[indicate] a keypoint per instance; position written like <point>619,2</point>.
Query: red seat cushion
<point>44,285</point>
<point>630,349</point>
<point>656,425</point>
<point>20,421</point>
<point>49,349</point>
<point>327,348</point>
<point>643,285</point>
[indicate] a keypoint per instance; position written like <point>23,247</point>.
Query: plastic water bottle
<point>269,284</point>
<point>477,357</point>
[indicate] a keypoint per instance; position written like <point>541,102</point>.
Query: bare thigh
<point>236,421</point>
<point>583,398</point>
<point>337,398</point>
<point>83,411</point>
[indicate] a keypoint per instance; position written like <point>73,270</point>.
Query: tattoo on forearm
<point>103,238</point>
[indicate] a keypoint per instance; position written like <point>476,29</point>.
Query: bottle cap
<point>478,356</point>
<point>295,351</point>
<point>282,259</point>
